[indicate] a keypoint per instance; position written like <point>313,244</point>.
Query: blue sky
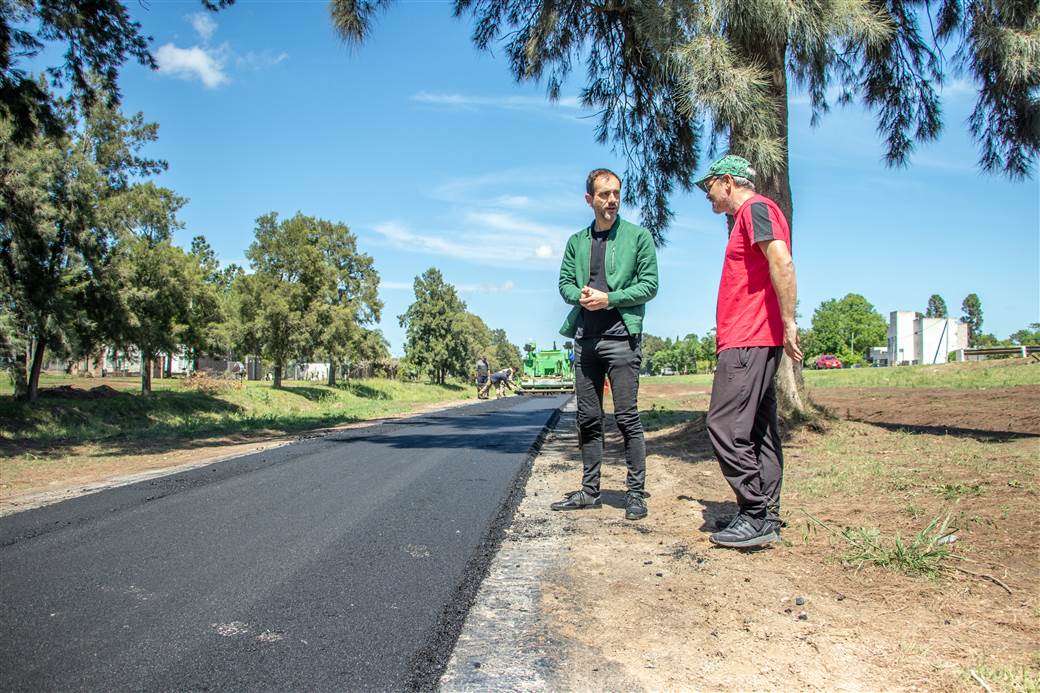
<point>433,156</point>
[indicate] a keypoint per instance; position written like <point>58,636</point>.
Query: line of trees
<point>689,354</point>
<point>443,339</point>
<point>88,263</point>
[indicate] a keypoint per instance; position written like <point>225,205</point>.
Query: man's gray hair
<point>742,182</point>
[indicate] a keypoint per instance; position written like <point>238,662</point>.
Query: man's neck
<point>602,225</point>
<point>739,197</point>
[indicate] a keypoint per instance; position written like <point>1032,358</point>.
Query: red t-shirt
<point>748,311</point>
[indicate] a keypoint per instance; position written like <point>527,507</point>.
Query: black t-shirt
<point>600,323</point>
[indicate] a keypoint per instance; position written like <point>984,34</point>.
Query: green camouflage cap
<point>731,164</point>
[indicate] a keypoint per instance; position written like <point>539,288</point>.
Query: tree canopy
<point>847,327</point>
<point>936,307</point>
<point>664,74</point>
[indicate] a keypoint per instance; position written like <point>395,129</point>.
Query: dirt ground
<point>652,605</point>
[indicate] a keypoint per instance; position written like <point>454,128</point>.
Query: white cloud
<point>513,201</point>
<point>203,25</point>
<point>498,247</point>
<point>567,107</point>
<point>257,61</point>
<point>203,64</point>
<point>503,288</point>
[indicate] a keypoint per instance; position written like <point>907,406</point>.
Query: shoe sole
<point>747,543</point>
<point>635,517</point>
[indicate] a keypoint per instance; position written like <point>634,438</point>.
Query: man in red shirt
<point>754,325</point>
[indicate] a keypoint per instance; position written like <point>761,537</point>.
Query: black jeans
<point>596,360</point>
<point>743,428</point>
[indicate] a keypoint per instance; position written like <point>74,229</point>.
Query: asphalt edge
<point>430,663</point>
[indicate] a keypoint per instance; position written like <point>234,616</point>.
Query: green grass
<point>970,375</point>
<point>174,411</point>
<point>923,555</point>
<point>695,379</point>
<point>1020,680</point>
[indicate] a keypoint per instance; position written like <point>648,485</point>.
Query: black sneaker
<point>578,500</point>
<point>746,532</point>
<point>635,507</point>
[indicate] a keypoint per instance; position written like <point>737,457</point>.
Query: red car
<point>827,361</point>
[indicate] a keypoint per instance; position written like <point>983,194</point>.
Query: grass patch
<point>972,375</point>
<point>955,491</point>
<point>923,555</point>
<point>179,409</point>
<point>1020,680</point>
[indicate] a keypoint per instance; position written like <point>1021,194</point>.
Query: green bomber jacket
<point>631,264</point>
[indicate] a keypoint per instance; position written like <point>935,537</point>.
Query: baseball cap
<point>729,164</point>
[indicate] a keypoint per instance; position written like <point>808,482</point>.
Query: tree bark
<point>33,386</point>
<point>776,185</point>
<point>277,375</point>
<point>332,374</point>
<point>146,374</point>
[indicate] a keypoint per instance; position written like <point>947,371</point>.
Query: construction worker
<point>482,377</point>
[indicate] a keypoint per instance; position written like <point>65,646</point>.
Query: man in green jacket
<point>609,272</point>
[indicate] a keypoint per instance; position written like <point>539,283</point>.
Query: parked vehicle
<point>827,361</point>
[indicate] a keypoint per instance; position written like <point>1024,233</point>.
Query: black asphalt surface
<point>338,563</point>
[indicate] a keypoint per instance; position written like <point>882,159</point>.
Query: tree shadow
<point>981,435</point>
<point>309,392</point>
<point>364,391</point>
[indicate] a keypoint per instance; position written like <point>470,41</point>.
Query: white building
<point>914,339</point>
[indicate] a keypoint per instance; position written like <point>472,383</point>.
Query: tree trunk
<point>776,185</point>
<point>146,374</point>
<point>277,375</point>
<point>332,374</point>
<point>33,386</point>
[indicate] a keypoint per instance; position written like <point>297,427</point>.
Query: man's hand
<point>593,299</point>
<point>791,347</point>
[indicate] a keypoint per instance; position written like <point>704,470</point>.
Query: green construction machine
<point>548,371</point>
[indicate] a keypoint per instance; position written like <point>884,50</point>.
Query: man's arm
<point>781,272</point>
<point>569,289</point>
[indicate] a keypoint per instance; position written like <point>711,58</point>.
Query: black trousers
<point>595,361</point>
<point>743,427</point>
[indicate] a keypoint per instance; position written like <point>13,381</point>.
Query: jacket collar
<point>613,229</point>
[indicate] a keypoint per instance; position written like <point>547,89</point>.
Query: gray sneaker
<point>635,507</point>
<point>578,500</point>
<point>746,532</point>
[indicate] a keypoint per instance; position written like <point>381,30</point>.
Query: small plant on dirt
<point>1021,680</point>
<point>922,556</point>
<point>955,491</point>
<point>914,510</point>
<point>1014,483</point>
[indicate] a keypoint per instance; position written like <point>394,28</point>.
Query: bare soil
<point>653,605</point>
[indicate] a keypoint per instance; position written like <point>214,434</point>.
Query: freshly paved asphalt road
<point>336,563</point>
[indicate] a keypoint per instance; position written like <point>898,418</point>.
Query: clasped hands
<point>593,299</point>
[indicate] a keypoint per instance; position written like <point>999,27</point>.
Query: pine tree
<point>936,307</point>
<point>972,310</point>
<point>435,327</point>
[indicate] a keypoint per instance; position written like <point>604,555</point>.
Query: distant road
<point>337,563</point>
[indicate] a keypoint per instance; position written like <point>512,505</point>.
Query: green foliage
<point>972,375</point>
<point>1027,336</point>
<point>847,327</point>
<point>98,36</point>
<point>936,307</point>
<point>66,204</point>
<point>433,325</point>
<point>971,308</point>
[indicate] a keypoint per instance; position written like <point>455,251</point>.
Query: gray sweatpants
<point>743,427</point>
